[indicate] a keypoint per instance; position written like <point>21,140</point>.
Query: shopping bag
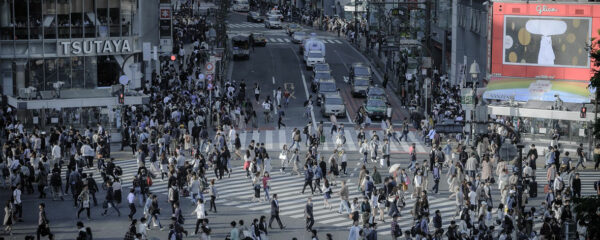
<point>381,162</point>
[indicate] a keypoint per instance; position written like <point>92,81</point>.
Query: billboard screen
<point>540,50</point>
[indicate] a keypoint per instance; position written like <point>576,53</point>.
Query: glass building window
<point>20,14</point>
<point>110,71</point>
<point>113,18</point>
<point>49,20</point>
<point>51,73</point>
<point>127,7</point>
<point>63,17</point>
<point>102,10</point>
<point>35,19</point>
<point>89,18</point>
<point>64,71</point>
<point>91,72</point>
<point>77,72</point>
<point>6,21</point>
<point>36,74</point>
<point>76,19</point>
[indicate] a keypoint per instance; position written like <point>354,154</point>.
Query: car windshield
<point>361,71</point>
<point>376,91</point>
<point>258,35</point>
<point>334,101</point>
<point>274,19</point>
<point>375,102</point>
<point>361,82</point>
<point>321,67</point>
<point>314,55</point>
<point>293,26</point>
<point>254,14</point>
<point>327,87</point>
<point>240,44</point>
<point>299,34</point>
<point>322,75</point>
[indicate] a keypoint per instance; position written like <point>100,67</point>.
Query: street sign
<point>209,67</point>
<point>209,77</point>
<point>165,13</point>
<point>466,96</point>
<point>396,12</point>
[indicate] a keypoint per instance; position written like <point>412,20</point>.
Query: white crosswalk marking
<point>286,40</point>
<point>279,40</point>
<point>237,192</point>
<point>246,25</point>
<point>337,41</point>
<point>274,140</point>
<point>272,40</point>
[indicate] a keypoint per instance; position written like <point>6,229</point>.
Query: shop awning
<point>525,89</point>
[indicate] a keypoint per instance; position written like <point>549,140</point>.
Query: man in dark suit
<point>308,212</point>
<point>275,212</point>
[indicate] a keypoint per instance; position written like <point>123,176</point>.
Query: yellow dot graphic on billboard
<point>524,36</point>
<point>571,38</point>
<point>576,23</point>
<point>563,48</point>
<point>523,60</point>
<point>580,50</point>
<point>512,26</point>
<point>574,61</point>
<point>512,57</point>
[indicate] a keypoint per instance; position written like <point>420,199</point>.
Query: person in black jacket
<point>110,200</point>
<point>576,186</point>
<point>308,212</point>
<point>92,187</point>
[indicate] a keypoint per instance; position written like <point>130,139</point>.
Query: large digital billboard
<point>541,50</point>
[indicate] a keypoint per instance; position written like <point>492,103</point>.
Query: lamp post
<point>474,71</point>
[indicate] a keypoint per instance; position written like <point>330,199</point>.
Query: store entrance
<point>108,71</point>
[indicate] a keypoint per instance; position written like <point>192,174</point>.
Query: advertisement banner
<point>541,50</point>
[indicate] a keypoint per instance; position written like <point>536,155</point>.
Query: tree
<point>595,81</point>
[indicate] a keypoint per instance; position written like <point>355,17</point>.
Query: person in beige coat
<point>486,169</point>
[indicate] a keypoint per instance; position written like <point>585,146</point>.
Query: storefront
<point>61,56</point>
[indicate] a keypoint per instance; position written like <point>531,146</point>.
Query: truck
<point>313,51</point>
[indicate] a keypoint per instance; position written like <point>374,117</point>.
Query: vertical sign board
<point>146,51</point>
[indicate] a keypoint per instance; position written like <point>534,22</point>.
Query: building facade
<point>59,56</point>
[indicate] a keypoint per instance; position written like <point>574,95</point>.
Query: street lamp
<point>474,71</point>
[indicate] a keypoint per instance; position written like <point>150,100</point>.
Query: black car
<point>254,17</point>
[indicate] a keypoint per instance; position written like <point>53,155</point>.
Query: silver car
<point>273,22</point>
<point>333,104</point>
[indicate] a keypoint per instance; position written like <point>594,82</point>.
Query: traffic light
<point>121,98</point>
<point>582,112</point>
<point>122,95</point>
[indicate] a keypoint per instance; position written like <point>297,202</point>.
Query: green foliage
<point>585,209</point>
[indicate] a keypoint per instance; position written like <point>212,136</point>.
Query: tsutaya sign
<point>80,47</point>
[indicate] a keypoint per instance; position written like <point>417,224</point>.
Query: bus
<point>241,6</point>
<point>241,46</point>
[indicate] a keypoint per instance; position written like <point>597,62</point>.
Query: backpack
<point>55,179</point>
<point>118,171</point>
<point>149,181</point>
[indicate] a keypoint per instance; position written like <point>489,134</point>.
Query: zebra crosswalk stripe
<point>286,40</point>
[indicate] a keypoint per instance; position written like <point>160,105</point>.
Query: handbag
<point>282,156</point>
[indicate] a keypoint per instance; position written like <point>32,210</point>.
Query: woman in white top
<point>247,161</point>
<point>200,214</point>
<point>284,159</point>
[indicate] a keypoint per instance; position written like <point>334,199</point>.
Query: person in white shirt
<point>17,202</point>
<point>200,214</point>
<point>143,228</point>
<point>354,231</point>
<point>56,154</point>
<point>131,201</point>
<point>194,186</point>
<point>473,199</point>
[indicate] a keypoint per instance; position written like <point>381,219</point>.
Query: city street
<point>171,129</point>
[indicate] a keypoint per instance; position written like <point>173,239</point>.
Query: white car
<point>275,13</point>
<point>314,57</point>
<point>273,22</point>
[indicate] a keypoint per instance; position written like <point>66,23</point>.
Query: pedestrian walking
<point>109,200</point>
<point>43,228</point>
<point>84,202</point>
<point>275,212</point>
<point>131,201</point>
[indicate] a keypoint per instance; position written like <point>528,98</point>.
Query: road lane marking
<point>273,79</point>
<point>312,112</point>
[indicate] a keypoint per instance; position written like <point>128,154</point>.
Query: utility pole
<point>356,23</point>
<point>520,187</point>
<point>221,18</point>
